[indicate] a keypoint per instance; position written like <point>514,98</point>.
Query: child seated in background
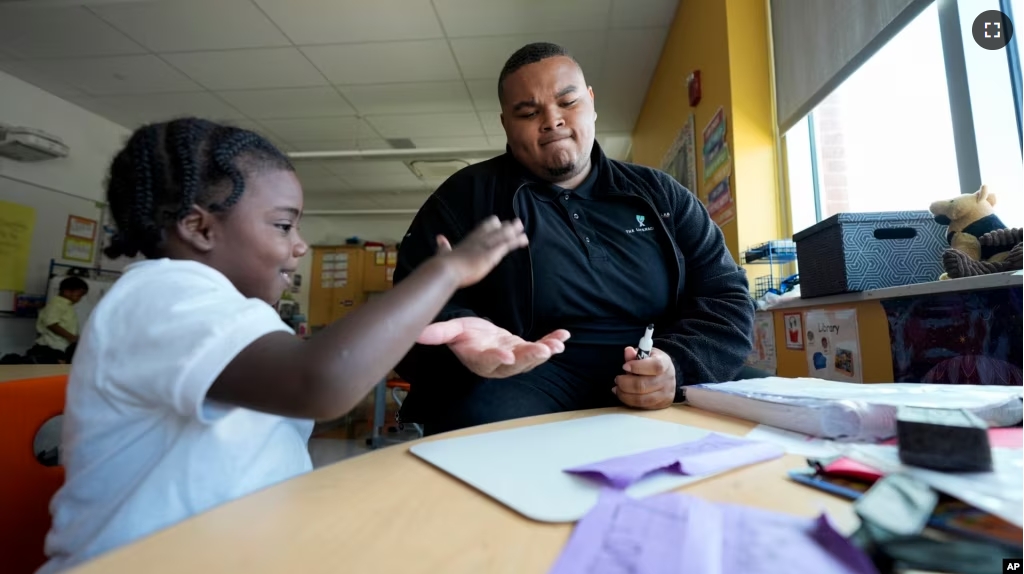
<point>57,324</point>
<point>188,390</point>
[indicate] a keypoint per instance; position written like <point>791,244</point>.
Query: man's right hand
<point>490,351</point>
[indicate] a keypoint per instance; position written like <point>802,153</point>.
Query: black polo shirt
<point>599,268</point>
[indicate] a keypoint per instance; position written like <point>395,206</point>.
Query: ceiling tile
<point>27,72</point>
<point>118,75</point>
<point>60,32</point>
<point>329,183</point>
<point>632,58</point>
<point>347,168</point>
<point>405,200</point>
<point>337,21</point>
<point>497,141</point>
<point>340,144</point>
<point>384,182</point>
<point>340,200</point>
<point>465,142</point>
<point>492,124</point>
<point>311,169</point>
<point>289,103</point>
<point>248,69</point>
<point>427,125</point>
<point>483,58</point>
<point>385,62</point>
<point>491,17</point>
<point>254,126</point>
<point>643,13</point>
<point>190,25</point>
<point>485,95</point>
<point>306,129</point>
<point>420,97</point>
<point>133,111</point>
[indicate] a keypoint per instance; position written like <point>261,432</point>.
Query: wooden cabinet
<point>343,276</point>
<point>336,286</point>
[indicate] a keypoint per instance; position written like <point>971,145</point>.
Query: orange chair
<point>26,486</point>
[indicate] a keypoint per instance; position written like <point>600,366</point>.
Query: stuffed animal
<point>979,242</point>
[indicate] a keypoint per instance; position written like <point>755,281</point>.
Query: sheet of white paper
<point>1000,492</point>
<point>794,442</point>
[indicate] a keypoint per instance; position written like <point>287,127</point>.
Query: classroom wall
<point>55,188</point>
<point>335,229</point>
<point>728,42</point>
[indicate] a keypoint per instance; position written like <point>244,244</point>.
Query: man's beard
<point>563,172</point>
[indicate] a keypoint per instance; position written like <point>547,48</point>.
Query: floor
<point>327,450</point>
<point>347,437</point>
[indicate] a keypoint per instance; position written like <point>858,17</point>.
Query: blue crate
<point>851,252</point>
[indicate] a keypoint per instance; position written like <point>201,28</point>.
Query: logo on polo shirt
<point>639,226</point>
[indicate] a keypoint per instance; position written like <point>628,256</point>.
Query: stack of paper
<point>850,411</point>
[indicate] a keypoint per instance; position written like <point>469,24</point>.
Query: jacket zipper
<point>529,255</point>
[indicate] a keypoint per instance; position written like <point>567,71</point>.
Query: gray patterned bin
<point>861,251</point>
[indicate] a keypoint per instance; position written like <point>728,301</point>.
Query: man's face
<point>548,113</point>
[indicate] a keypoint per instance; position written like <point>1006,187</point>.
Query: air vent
<point>401,143</point>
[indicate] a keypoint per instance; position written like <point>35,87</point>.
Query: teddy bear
<point>979,242</point>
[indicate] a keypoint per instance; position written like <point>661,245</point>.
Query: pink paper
<point>675,533</point>
<point>709,454</point>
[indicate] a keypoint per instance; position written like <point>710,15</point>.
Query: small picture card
<point>81,227</point>
<point>794,323</point>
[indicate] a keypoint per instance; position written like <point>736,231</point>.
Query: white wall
<point>55,188</point>
<point>335,229</point>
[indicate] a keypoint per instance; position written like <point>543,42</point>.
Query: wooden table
<point>388,511</point>
<point>15,372</point>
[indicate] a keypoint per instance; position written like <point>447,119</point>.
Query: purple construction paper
<point>621,535</point>
<point>675,534</point>
<point>709,454</point>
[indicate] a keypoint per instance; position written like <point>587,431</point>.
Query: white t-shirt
<point>142,446</point>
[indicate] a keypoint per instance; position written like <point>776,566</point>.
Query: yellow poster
<point>16,224</point>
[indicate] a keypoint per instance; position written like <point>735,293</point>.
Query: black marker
<point>643,350</point>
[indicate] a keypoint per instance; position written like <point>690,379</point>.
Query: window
<point>883,140</point>
<point>995,121</point>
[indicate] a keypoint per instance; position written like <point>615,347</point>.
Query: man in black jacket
<point>613,247</point>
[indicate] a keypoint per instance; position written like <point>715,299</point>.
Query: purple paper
<point>674,533</point>
<point>709,454</point>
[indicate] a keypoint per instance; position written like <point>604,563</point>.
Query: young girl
<point>187,389</point>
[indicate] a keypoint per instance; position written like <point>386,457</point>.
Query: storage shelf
<point>771,253</point>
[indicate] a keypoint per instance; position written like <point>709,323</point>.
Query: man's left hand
<point>651,382</point>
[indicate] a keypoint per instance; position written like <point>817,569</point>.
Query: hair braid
<point>167,168</point>
<point>187,136</point>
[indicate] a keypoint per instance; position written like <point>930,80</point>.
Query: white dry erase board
<point>523,467</point>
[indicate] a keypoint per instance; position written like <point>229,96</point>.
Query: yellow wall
<point>727,40</point>
<point>755,177</point>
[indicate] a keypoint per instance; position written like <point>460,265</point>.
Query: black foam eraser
<point>953,440</point>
